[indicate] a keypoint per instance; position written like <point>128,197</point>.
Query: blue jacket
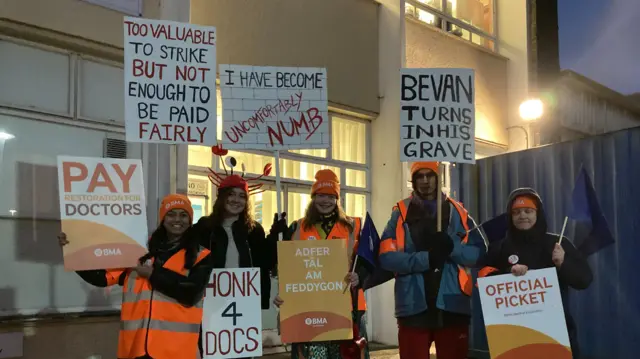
<point>409,265</point>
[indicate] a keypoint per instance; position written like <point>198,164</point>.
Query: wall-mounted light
<point>531,110</point>
<point>6,135</point>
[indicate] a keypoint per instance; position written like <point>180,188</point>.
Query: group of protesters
<point>430,249</point>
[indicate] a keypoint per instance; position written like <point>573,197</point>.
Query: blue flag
<point>368,248</point>
<point>495,228</point>
<point>369,242</point>
<point>585,209</point>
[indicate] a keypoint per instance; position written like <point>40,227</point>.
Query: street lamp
<point>530,110</point>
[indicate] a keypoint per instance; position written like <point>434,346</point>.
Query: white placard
<point>170,82</point>
<point>524,314</point>
<point>232,325</point>
<point>437,115</point>
<point>274,108</point>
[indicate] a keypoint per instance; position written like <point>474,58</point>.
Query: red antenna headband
<point>233,180</point>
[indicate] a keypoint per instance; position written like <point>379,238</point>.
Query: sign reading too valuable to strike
<point>103,212</point>
<point>232,324</point>
<point>170,82</point>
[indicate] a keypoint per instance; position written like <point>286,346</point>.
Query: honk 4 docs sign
<point>524,317</point>
<point>102,208</point>
<point>232,321</point>
<point>311,281</point>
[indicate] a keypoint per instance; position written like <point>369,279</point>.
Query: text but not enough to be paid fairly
<point>437,116</point>
<point>170,82</point>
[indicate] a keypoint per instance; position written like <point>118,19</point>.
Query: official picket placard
<point>312,284</point>
<point>524,316</point>
<point>437,115</point>
<point>274,108</point>
<point>232,320</point>
<point>170,82</point>
<point>103,212</point>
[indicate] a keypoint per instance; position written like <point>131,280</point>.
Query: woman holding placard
<point>528,246</point>
<point>162,297</point>
<point>234,238</point>
<point>325,219</point>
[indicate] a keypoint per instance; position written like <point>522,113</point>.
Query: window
<point>472,20</point>
<point>347,157</point>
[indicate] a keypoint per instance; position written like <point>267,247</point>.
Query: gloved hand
<point>441,248</point>
<point>279,224</point>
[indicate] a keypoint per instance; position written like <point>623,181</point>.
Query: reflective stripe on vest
<point>339,231</point>
<point>155,324</point>
<point>464,274</point>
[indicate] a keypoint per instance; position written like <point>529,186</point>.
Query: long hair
<point>159,239</point>
<point>218,214</point>
<point>313,216</point>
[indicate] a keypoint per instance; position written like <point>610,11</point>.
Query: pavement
<point>378,351</point>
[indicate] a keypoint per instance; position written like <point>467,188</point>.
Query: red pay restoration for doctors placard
<point>103,212</point>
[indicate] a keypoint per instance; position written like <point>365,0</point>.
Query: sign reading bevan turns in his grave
<point>311,277</point>
<point>437,115</point>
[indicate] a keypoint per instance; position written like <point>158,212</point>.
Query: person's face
<point>426,182</point>
<point>236,202</point>
<point>524,218</point>
<point>176,222</point>
<point>325,203</point>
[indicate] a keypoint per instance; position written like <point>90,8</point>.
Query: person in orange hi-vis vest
<point>162,297</point>
<point>325,220</point>
<point>433,284</point>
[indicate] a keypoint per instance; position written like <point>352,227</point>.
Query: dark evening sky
<point>601,40</point>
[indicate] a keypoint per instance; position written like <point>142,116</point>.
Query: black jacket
<point>534,249</point>
<point>254,249</point>
<point>187,290</point>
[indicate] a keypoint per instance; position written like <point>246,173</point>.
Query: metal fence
<point>608,312</point>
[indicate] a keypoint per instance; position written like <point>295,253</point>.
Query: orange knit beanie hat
<point>326,183</point>
<point>175,201</point>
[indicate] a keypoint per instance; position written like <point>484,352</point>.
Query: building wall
<point>340,35</point>
<point>428,47</point>
<point>74,17</point>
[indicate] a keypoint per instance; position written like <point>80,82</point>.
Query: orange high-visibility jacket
<point>153,323</point>
<point>464,274</point>
<point>339,231</point>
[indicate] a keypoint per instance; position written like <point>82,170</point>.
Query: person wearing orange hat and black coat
<point>235,239</point>
<point>529,246</point>
<point>162,296</point>
<point>325,220</point>
<point>433,285</point>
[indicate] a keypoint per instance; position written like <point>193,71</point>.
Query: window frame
<point>449,19</point>
<point>297,185</point>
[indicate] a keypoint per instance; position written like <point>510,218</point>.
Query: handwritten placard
<point>437,115</point>
<point>170,82</point>
<point>274,107</point>
<point>232,321</point>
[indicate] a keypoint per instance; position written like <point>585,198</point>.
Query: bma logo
<point>316,322</point>
<point>107,252</point>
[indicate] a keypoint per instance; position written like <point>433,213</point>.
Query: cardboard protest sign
<point>311,283</point>
<point>437,115</point>
<point>170,82</point>
<point>524,317</point>
<point>274,108</point>
<point>232,324</point>
<point>103,212</point>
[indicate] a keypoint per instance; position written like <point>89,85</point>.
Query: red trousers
<point>451,343</point>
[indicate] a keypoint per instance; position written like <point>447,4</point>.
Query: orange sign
<point>311,281</point>
<point>103,212</point>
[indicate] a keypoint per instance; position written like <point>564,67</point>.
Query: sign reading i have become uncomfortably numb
<point>274,108</point>
<point>437,115</point>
